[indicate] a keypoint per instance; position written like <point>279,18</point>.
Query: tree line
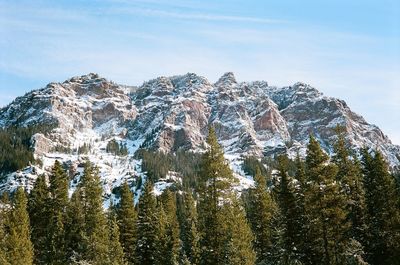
<point>16,150</point>
<point>318,210</point>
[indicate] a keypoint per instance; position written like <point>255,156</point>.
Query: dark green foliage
<point>18,245</point>
<point>84,149</point>
<point>3,253</point>
<point>57,204</point>
<point>383,214</point>
<point>75,227</point>
<point>190,237</point>
<point>216,180</point>
<point>16,142</point>
<point>325,207</point>
<point>170,241</point>
<point>38,215</point>
<point>16,147</point>
<point>261,211</point>
<point>148,236</point>
<point>87,229</point>
<point>188,164</point>
<point>116,148</point>
<point>252,164</point>
<point>96,227</point>
<point>350,177</point>
<point>157,165</point>
<point>239,247</point>
<point>116,252</point>
<point>225,235</point>
<point>127,218</point>
<point>292,214</point>
<point>322,211</point>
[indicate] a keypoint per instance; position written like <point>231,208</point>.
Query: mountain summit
<point>174,113</point>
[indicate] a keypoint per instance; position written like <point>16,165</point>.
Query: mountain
<point>86,113</point>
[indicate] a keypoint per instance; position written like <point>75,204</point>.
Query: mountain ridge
<point>173,113</point>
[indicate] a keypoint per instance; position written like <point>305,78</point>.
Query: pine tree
<point>239,249</point>
<point>57,204</point>
<point>127,218</point>
<point>3,238</point>
<point>216,181</point>
<point>292,216</point>
<point>302,239</point>
<point>325,206</point>
<point>3,257</point>
<point>147,228</point>
<point>188,227</point>
<point>96,227</point>
<point>116,252</point>
<point>383,244</point>
<point>58,186</point>
<point>38,215</point>
<point>261,214</point>
<point>162,237</point>
<point>300,173</point>
<point>170,242</point>
<point>76,240</point>
<point>19,246</point>
<point>350,177</point>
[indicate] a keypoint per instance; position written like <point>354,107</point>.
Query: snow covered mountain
<point>171,113</point>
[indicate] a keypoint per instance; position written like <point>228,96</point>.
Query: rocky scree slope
<point>172,113</point>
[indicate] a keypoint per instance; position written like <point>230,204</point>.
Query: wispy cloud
<point>130,41</point>
<point>194,16</point>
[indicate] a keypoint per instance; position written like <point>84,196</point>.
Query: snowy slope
<point>171,113</point>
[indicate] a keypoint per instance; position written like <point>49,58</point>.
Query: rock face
<point>171,113</point>
<point>77,104</point>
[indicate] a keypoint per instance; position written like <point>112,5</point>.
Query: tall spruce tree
<point>225,235</point>
<point>147,228</point>
<point>261,213</point>
<point>170,243</point>
<point>302,239</point>
<point>239,247</point>
<point>96,227</point>
<point>162,237</point>
<point>188,228</point>
<point>216,181</point>
<point>3,236</point>
<point>325,206</point>
<point>19,248</point>
<point>127,218</point>
<point>3,254</point>
<point>57,204</point>
<point>38,215</point>
<point>76,240</point>
<point>350,178</point>
<point>383,239</point>
<point>116,252</point>
<point>292,216</point>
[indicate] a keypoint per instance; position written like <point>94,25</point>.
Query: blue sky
<point>347,49</point>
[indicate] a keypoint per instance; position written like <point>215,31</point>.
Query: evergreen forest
<point>320,209</point>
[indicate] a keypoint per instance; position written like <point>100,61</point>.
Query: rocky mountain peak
<point>92,85</point>
<point>84,79</point>
<point>173,113</point>
<point>227,80</point>
<point>191,82</point>
<point>301,87</point>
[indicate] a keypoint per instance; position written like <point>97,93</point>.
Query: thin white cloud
<point>347,66</point>
<point>194,16</point>
<point>166,3</point>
